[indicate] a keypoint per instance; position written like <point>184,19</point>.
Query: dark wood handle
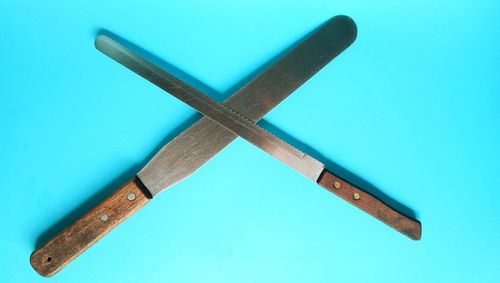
<point>371,205</point>
<point>84,232</point>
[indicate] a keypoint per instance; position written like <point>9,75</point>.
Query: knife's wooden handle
<point>371,205</point>
<point>84,232</point>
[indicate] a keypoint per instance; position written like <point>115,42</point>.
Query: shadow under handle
<point>88,229</point>
<point>370,204</point>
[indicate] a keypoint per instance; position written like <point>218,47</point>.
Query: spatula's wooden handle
<point>371,205</point>
<point>84,232</point>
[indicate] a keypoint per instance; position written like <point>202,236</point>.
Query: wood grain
<point>84,232</point>
<point>370,204</point>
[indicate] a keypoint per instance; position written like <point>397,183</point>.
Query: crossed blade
<point>204,139</point>
<point>242,126</point>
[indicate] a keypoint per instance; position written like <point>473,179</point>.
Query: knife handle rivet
<point>131,196</point>
<point>356,196</point>
<point>336,185</point>
<point>104,217</point>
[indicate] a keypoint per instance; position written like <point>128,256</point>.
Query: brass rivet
<point>356,196</point>
<point>336,185</point>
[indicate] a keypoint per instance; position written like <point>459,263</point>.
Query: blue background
<point>412,107</point>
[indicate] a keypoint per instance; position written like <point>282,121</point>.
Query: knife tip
<point>99,39</point>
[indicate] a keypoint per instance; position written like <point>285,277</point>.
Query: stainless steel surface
<point>196,145</point>
<point>223,115</point>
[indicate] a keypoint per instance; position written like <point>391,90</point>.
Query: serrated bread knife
<point>196,145</point>
<point>244,127</point>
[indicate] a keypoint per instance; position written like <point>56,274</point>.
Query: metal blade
<point>223,115</point>
<point>196,145</point>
